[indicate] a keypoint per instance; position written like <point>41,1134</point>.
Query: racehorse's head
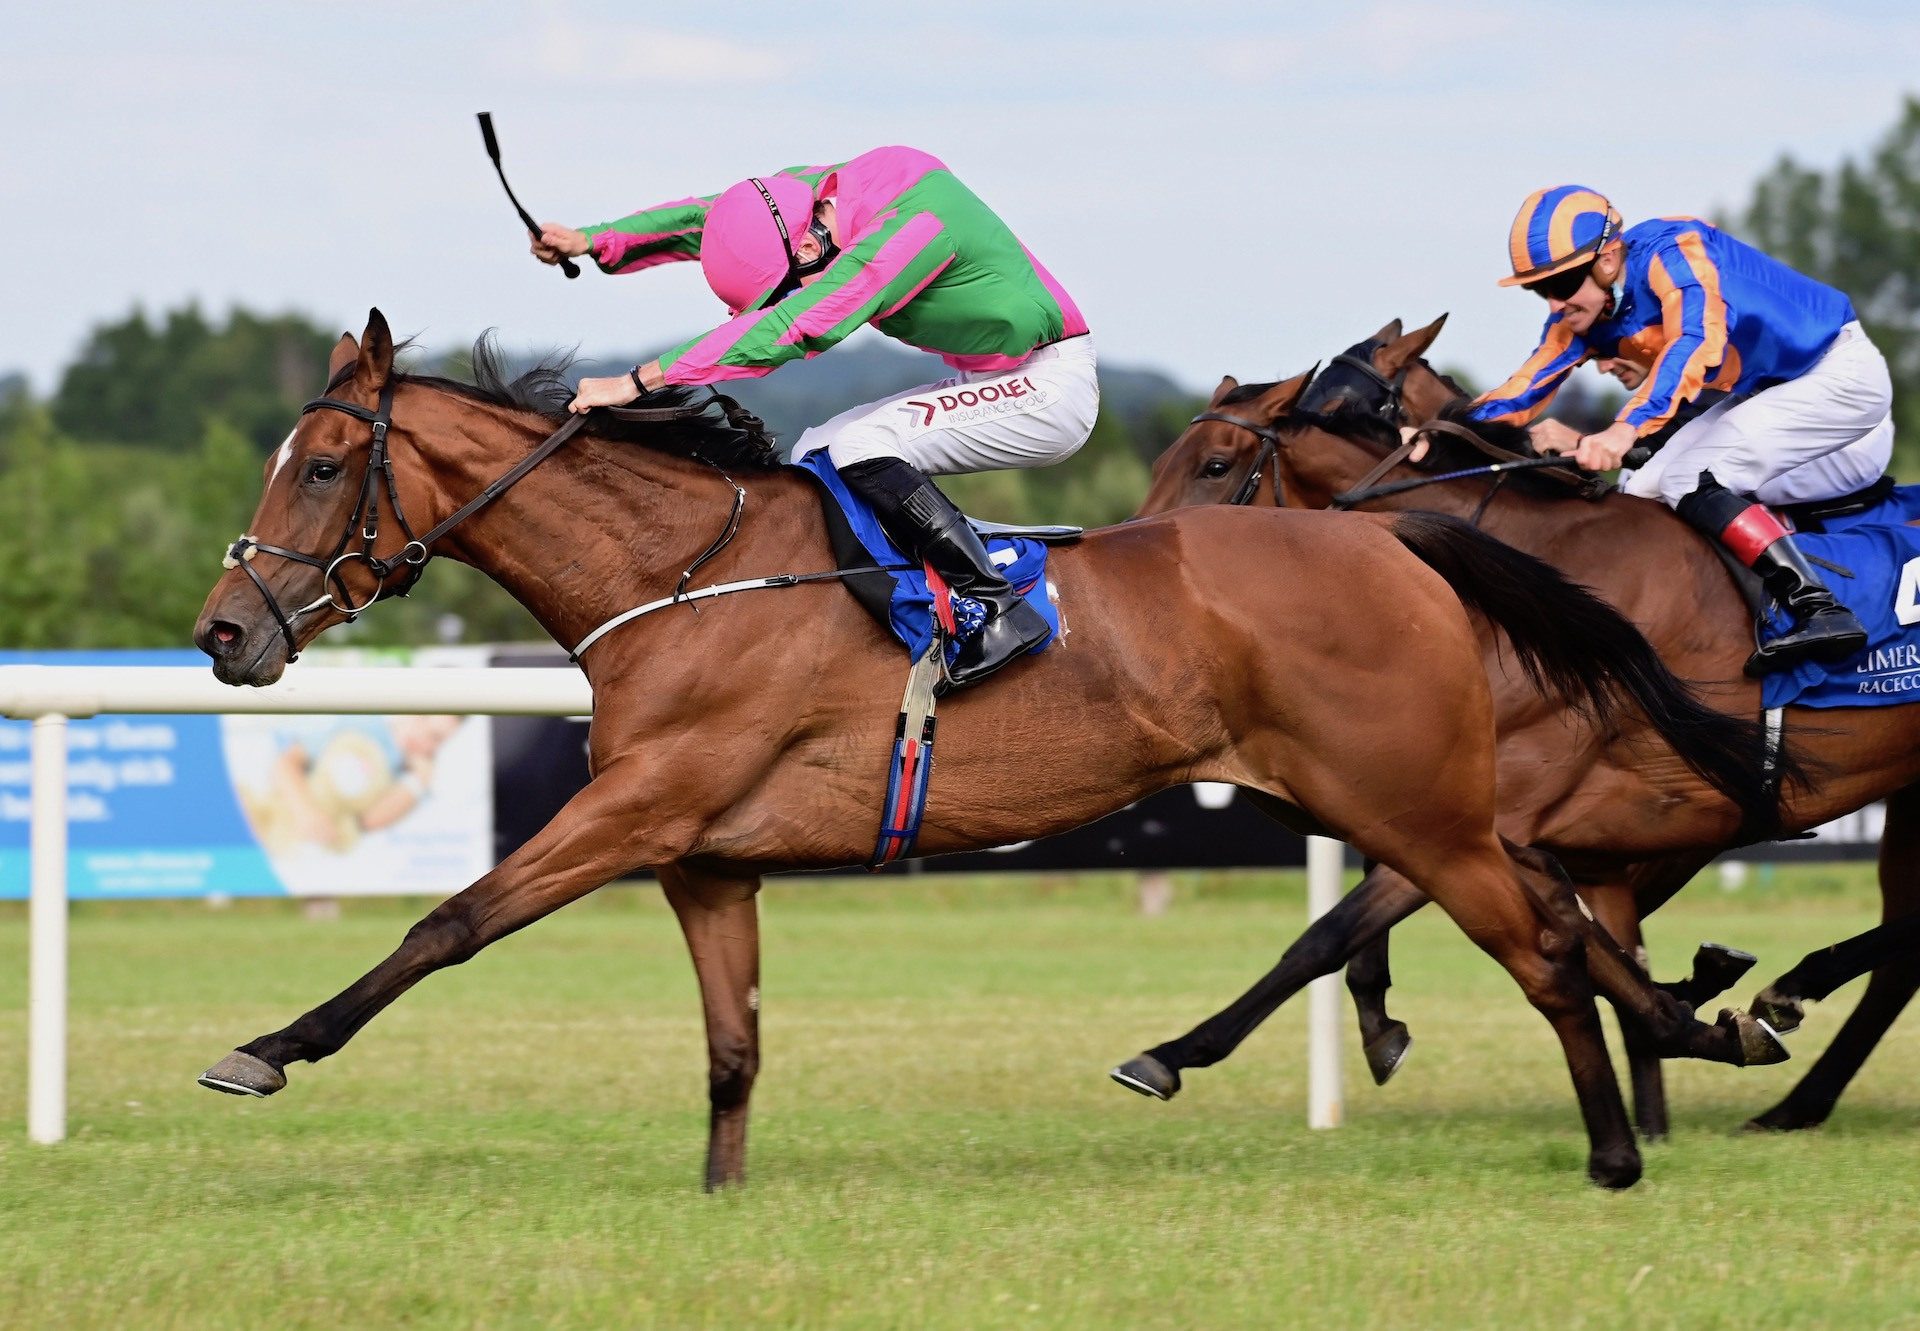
<point>1240,450</point>
<point>1386,376</point>
<point>1227,452</point>
<point>328,537</point>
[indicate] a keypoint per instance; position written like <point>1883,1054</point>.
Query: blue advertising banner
<point>172,806</point>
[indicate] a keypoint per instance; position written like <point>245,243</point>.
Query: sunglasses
<point>1563,285</point>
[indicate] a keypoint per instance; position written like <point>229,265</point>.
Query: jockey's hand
<point>1630,373</point>
<point>1407,432</point>
<point>557,240</point>
<point>616,391</point>
<point>1603,451</point>
<point>613,392</point>
<point>1551,436</point>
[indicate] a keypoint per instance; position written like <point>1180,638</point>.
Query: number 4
<point>1906,601</point>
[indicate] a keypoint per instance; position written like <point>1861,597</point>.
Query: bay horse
<point>1580,807</point>
<point>753,735</point>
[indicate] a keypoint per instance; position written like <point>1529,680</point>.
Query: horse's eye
<point>1216,467</point>
<point>322,472</point>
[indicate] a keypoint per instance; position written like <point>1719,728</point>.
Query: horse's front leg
<point>1384,1040</point>
<point>1382,900</point>
<point>720,917</point>
<point>597,836</point>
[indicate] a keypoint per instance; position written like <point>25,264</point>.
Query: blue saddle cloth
<point>910,609</point>
<point>1883,557</point>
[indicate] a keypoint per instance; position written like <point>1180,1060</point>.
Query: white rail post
<point>1325,1094</point>
<point>47,928</point>
<point>51,695</point>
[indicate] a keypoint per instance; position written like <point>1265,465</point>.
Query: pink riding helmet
<point>746,244</point>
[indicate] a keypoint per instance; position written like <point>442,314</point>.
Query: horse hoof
<point>1760,1043</point>
<point>1149,1076</point>
<point>1780,1119</point>
<point>243,1074</point>
<point>1614,1169</point>
<point>1386,1053</point>
<point>1717,968</point>
<point>1778,1010</point>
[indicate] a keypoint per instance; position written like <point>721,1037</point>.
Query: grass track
<point>517,1143</point>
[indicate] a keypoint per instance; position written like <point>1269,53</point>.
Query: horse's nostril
<point>220,638</point>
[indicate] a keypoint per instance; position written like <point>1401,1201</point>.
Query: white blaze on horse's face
<point>281,456</point>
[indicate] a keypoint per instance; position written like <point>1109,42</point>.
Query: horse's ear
<point>344,353</point>
<point>1227,384</point>
<point>1387,333</point>
<point>376,352</point>
<point>1404,351</point>
<point>1280,399</point>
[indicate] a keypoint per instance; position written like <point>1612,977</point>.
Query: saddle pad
<point>1902,504</point>
<point>909,609</point>
<point>1884,591</point>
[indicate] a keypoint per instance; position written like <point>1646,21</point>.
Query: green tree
<point>161,384</point>
<point>1858,228</point>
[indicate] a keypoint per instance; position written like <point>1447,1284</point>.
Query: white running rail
<point>50,696</point>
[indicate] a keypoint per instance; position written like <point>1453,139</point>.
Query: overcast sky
<point>1246,188</point>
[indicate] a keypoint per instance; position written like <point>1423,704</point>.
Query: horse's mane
<point>1444,453</point>
<point>717,430</point>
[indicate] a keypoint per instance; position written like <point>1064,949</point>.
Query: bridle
<point>1266,457</point>
<point>1325,391</point>
<point>365,520</point>
<point>1320,394</point>
<point>411,559</point>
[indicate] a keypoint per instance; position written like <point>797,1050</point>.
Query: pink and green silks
<point>922,259</point>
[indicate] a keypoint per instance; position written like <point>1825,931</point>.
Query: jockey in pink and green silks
<point>801,259</point>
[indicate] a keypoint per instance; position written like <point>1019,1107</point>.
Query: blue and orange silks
<point>1703,310</point>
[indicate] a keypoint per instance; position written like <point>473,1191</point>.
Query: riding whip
<point>567,266</point>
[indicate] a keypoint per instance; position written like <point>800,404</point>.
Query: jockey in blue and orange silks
<point>1673,308</point>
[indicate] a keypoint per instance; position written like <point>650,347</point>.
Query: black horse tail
<point>1575,646</point>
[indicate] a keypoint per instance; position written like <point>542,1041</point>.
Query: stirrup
<point>1830,633</point>
<point>1020,627</point>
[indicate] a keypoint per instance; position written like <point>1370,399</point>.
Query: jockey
<point>1675,307</point>
<point>804,257</point>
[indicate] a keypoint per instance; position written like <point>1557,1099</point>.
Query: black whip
<point>567,266</point>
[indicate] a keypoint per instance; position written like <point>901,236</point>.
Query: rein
<point>411,560</point>
<point>1367,489</point>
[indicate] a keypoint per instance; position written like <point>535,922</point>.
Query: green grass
<point>518,1142</point>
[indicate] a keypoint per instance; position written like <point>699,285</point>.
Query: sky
<point>1243,188</point>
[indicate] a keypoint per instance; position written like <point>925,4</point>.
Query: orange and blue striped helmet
<point>1557,229</point>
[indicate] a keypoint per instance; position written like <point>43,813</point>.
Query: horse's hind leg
<point>1669,1024</point>
<point>720,918</point>
<point>591,841</point>
<point>1614,911</point>
<point>1381,901</point>
<point>1893,950</point>
<point>1480,887</point>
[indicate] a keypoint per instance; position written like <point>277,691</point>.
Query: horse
<point>751,733</point>
<point>1677,591</point>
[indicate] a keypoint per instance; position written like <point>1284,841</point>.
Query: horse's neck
<point>605,525</point>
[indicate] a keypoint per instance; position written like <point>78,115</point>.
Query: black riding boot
<point>924,523</point>
<point>1823,629</point>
